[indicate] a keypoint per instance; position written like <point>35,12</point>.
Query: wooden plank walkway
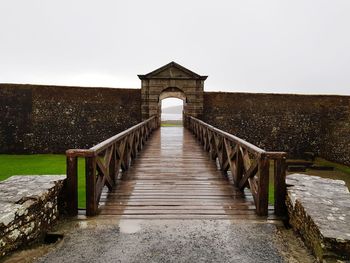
<point>174,178</point>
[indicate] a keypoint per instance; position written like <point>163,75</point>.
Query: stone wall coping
<point>319,209</point>
<point>326,201</point>
<point>18,192</point>
<point>29,206</point>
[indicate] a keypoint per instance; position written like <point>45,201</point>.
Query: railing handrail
<point>253,148</point>
<point>103,162</point>
<point>227,135</point>
<point>244,168</point>
<point>103,145</point>
<point>93,151</point>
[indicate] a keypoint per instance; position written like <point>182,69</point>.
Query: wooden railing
<point>103,163</point>
<point>249,164</point>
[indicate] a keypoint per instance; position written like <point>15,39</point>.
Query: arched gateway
<point>171,80</point>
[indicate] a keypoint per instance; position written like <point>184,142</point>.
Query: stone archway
<point>172,80</point>
<point>172,92</point>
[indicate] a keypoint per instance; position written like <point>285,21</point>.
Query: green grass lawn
<point>40,164</point>
<point>170,125</point>
<point>338,167</point>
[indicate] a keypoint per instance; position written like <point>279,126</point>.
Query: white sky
<point>171,102</point>
<point>295,46</point>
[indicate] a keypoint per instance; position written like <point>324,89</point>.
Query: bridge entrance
<point>171,80</point>
<point>172,111</point>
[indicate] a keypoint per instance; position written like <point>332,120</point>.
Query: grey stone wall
<point>318,210</point>
<point>335,145</point>
<point>28,208</point>
<point>15,117</point>
<point>284,122</point>
<point>52,119</point>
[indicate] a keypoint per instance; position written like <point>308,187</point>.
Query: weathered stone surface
<point>319,209</point>
<point>284,122</point>
<point>52,119</point>
<point>28,207</point>
<point>172,80</point>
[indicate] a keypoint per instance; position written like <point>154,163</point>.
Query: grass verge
<point>170,125</point>
<point>337,166</point>
<point>40,164</point>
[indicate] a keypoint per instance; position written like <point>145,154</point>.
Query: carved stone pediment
<point>172,71</point>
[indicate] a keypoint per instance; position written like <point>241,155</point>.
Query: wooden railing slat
<point>263,187</point>
<point>280,186</point>
<point>90,178</point>
<point>251,172</point>
<point>103,163</point>
<point>236,155</point>
<point>72,185</point>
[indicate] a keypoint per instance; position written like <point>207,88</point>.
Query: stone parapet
<point>319,210</point>
<point>28,207</point>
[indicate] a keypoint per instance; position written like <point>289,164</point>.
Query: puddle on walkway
<point>129,226</point>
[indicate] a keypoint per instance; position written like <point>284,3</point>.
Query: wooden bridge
<point>178,173</point>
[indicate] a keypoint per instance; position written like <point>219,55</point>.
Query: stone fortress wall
<point>285,122</point>
<point>51,119</point>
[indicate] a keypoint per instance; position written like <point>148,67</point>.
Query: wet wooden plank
<point>177,212</point>
<point>173,178</point>
<point>242,206</point>
<point>154,202</point>
<point>173,199</point>
<point>171,194</point>
<point>183,217</point>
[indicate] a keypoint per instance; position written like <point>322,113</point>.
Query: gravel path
<point>169,241</point>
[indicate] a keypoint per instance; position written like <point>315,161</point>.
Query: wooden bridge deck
<point>174,178</point>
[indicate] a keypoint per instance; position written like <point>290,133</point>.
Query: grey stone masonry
<point>28,207</point>
<point>319,209</point>
<point>172,80</point>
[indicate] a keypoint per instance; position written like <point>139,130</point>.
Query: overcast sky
<point>296,46</point>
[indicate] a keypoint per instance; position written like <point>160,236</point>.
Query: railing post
<point>112,165</point>
<point>212,150</point>
<point>239,166</point>
<point>280,186</point>
<point>200,134</point>
<point>262,201</point>
<point>126,159</point>
<point>72,185</point>
<point>158,122</point>
<point>91,199</point>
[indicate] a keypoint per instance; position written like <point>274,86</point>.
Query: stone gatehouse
<point>172,80</point>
